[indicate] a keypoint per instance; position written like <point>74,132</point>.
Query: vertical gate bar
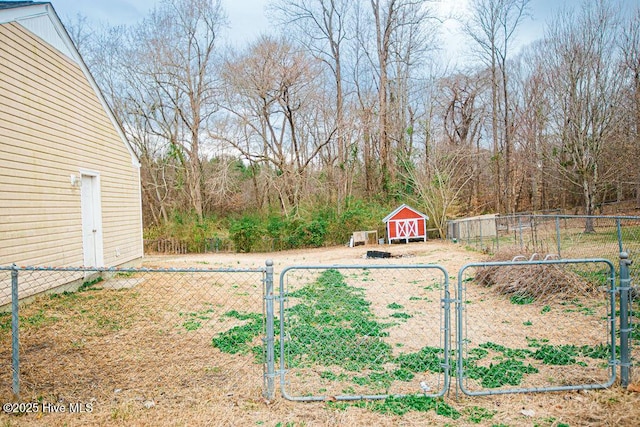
<point>625,283</point>
<point>15,340</point>
<point>270,340</point>
<point>447,332</point>
<point>558,236</point>
<point>459,336</point>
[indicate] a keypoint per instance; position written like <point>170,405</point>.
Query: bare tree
<point>585,86</point>
<point>397,28</point>
<point>493,25</point>
<point>439,182</point>
<point>462,118</point>
<point>323,28</point>
<point>173,60</point>
<point>630,44</point>
<point>272,95</point>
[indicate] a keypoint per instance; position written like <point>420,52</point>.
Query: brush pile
<point>540,282</point>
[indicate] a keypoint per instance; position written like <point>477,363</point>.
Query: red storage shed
<point>406,223</point>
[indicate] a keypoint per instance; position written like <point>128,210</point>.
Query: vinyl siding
<point>53,125</point>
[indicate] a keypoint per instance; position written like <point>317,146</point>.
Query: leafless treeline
<point>350,99</point>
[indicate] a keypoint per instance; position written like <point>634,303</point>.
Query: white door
<point>91,221</point>
<point>407,228</point>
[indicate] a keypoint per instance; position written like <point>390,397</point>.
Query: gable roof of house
<point>401,207</point>
<point>41,19</point>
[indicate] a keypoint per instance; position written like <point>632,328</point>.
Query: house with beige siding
<point>69,180</point>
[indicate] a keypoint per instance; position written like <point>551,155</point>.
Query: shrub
<point>245,232</point>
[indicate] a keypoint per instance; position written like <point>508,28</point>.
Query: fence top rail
<point>572,216</point>
<point>539,261</point>
<point>561,216</point>
<point>134,270</point>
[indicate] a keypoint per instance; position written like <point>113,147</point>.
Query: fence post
<point>497,234</point>
<point>619,230</point>
<point>15,340</point>
<point>520,231</point>
<point>270,339</point>
<point>558,236</point>
<point>625,286</point>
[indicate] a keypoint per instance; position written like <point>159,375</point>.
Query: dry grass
<point>128,353</point>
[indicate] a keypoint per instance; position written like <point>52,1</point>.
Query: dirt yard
<point>109,349</point>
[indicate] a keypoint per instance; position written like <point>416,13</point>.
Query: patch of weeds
<point>419,299</point>
<point>566,354</point>
<point>395,306</point>
<point>595,277</point>
<point>545,309</point>
<point>476,414</point>
<point>403,374</point>
<point>193,320</point>
<point>332,324</point>
<point>527,323</point>
<point>237,339</point>
<point>328,375</point>
<point>435,286</point>
<point>381,380</point>
<point>518,353</point>
<point>535,342</point>
<point>88,285</point>
<point>401,405</point>
<point>5,321</point>
<point>400,315</point>
<point>125,274</point>
<point>427,359</point>
<point>522,299</point>
<point>506,372</point>
<point>36,319</point>
<point>578,307</point>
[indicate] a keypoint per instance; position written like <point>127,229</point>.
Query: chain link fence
<point>568,236</point>
<point>114,338</point>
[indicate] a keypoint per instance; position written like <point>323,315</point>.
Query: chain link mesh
<point>535,326</point>
<point>356,331</point>
<point>138,335</point>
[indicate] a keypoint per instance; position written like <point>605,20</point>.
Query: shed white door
<point>91,221</point>
<point>407,228</point>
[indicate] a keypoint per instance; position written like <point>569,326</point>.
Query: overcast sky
<point>247,17</point>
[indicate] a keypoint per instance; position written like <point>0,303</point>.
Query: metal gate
<point>363,331</point>
<point>548,325</point>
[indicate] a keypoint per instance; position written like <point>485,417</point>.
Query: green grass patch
<point>520,299</point>
<point>194,320</point>
<point>331,324</point>
<point>508,366</point>
<point>476,414</point>
<point>400,315</point>
<point>401,405</point>
<point>237,340</point>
